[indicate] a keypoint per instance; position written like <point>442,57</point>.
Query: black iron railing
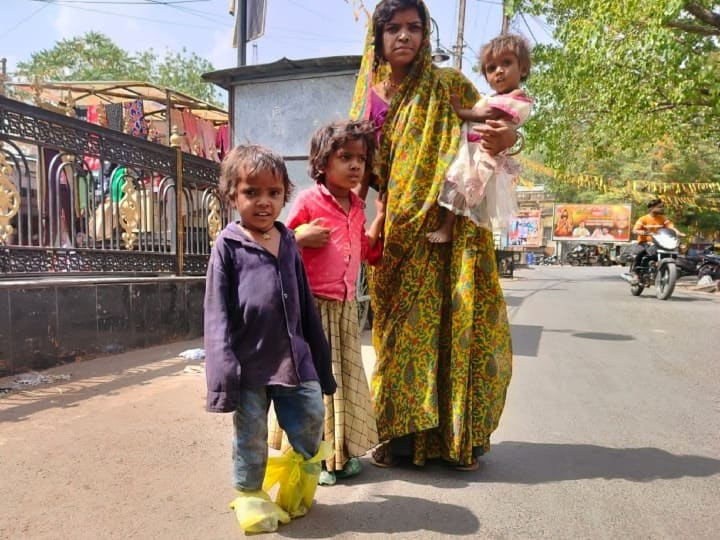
<point>80,198</point>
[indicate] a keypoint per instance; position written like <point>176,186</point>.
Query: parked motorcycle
<point>657,267</point>
<point>584,254</point>
<point>709,266</point>
<point>688,265</point>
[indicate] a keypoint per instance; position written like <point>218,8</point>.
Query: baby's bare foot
<point>441,236</point>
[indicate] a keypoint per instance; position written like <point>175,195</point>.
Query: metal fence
<point>81,198</point>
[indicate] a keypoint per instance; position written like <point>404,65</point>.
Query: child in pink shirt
<point>329,222</point>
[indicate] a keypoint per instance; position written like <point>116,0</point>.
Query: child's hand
<point>380,203</point>
<point>313,234</point>
<point>485,112</point>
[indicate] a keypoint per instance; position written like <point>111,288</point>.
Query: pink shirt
<point>333,269</point>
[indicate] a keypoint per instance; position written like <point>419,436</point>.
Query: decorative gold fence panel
<point>81,198</point>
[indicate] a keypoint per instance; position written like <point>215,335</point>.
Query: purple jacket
<point>261,324</point>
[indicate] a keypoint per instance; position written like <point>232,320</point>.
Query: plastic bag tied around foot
<point>256,513</point>
<point>297,478</point>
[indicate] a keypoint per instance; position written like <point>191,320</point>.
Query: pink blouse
<point>333,269</point>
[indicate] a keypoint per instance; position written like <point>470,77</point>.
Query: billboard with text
<point>592,222</point>
<point>526,229</point>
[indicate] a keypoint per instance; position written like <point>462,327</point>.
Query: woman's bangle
<point>518,146</point>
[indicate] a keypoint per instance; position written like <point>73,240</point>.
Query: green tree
<point>183,71</point>
<point>95,57</point>
<point>622,75</point>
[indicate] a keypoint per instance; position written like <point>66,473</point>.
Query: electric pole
<point>459,45</point>
<point>3,75</point>
<point>242,32</point>
<point>505,20</point>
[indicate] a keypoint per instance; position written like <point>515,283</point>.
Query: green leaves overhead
<point>95,57</point>
<point>622,75</point>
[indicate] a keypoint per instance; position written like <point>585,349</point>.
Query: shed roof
<point>156,98</point>
<point>283,69</point>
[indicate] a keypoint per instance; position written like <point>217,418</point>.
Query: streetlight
<point>439,54</point>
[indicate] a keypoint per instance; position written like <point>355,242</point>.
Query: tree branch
<point>705,15</point>
<point>693,28</point>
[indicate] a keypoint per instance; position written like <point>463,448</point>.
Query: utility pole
<point>505,20</point>
<point>459,45</point>
<point>242,32</point>
<point>3,75</point>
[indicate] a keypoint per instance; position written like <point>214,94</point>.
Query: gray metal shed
<point>282,103</point>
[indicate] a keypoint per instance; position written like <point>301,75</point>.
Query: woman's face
<point>402,38</point>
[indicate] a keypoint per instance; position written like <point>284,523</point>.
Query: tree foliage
<point>95,57</point>
<point>623,75</point>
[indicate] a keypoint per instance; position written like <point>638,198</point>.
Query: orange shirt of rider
<point>650,223</point>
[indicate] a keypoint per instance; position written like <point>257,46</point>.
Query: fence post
<point>175,141</point>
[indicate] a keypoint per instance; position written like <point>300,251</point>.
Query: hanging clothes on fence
<point>192,132</point>
<point>222,141</point>
<point>114,115</point>
<point>177,120</point>
<point>135,119</point>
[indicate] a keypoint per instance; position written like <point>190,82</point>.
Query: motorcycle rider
<point>649,223</point>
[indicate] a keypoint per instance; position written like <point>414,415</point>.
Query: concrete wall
<point>50,321</point>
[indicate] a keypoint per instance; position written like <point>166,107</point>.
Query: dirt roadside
<point>121,449</point>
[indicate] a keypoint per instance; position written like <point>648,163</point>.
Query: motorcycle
<point>588,255</point>
<point>657,266</point>
<point>579,255</point>
<point>689,265</point>
<point>709,266</point>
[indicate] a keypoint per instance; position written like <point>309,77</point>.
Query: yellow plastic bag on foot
<point>256,513</point>
<point>297,477</point>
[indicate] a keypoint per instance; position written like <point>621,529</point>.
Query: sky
<point>295,29</point>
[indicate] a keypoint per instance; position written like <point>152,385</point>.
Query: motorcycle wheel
<point>665,281</point>
<point>636,290</point>
<point>709,269</point>
<point>574,262</point>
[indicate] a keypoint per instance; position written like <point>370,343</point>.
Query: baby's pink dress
<point>478,185</point>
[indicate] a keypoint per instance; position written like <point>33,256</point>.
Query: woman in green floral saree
<point>440,330</point>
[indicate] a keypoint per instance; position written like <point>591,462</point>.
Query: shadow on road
<point>603,336</point>
<point>536,463</point>
<point>390,514</point>
<point>100,376</point>
<point>525,339</point>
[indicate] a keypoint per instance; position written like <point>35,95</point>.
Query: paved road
<point>612,430</point>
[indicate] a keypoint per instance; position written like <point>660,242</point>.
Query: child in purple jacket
<point>264,341</point>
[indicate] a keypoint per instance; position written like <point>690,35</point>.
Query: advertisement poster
<point>526,229</point>
<point>592,222</point>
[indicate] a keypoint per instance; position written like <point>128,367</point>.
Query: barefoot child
<point>263,338</point>
<point>479,185</point>
<point>329,220</point>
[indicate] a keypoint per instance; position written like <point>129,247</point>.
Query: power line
<point>121,2</point>
<point>543,26</point>
<point>17,24</point>
<point>522,16</point>
<point>135,17</point>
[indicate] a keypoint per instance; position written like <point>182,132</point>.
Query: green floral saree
<point>440,329</point>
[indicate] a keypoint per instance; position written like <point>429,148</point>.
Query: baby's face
<point>503,72</point>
